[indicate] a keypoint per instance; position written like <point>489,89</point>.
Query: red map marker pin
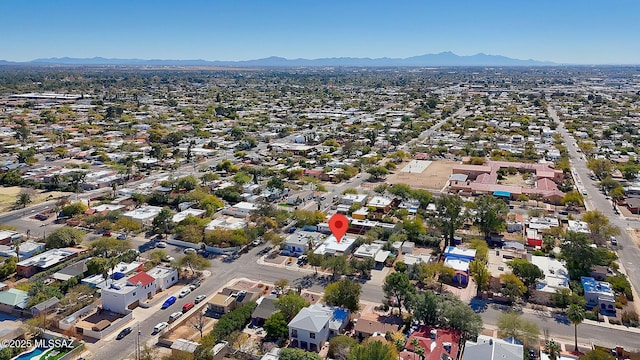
<point>338,225</point>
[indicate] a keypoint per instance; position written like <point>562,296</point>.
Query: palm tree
<point>23,200</point>
<point>575,314</point>
<point>552,349</point>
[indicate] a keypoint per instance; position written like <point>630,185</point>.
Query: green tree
<point>511,324</point>
<point>188,183</point>
<point>337,264</point>
<point>480,274</point>
<point>599,226</point>
<point>339,347</point>
<point>398,286</point>
<point>276,326</point>
<point>450,216</point>
<point>597,354</point>
<point>194,262</point>
<point>512,287</point>
<point>527,272</point>
<point>297,354</point>
<point>241,178</point>
<point>373,350</point>
<point>275,183</point>
<point>490,214</point>
<point>378,172</point>
<point>74,209</point>
<point>575,314</point>
<point>600,167</point>
<point>109,247</point>
<point>576,250</point>
<point>564,297</point>
<point>162,221</point>
<point>571,199</point>
<point>425,307</point>
<point>344,293</point>
<point>552,349</point>
<point>64,237</point>
<point>315,260</point>
<point>290,304</point>
<point>24,199</point>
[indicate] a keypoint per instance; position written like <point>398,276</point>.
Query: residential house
<point>143,215</point>
<point>369,325</point>
<point>25,250</point>
<point>44,261</point>
<point>381,204</point>
<point>165,277</point>
<point>490,348</point>
<point>458,259</point>
<point>599,294</point>
<point>9,236</point>
<point>186,213</point>
<point>229,299</point>
<point>438,344</point>
<point>126,294</point>
<point>265,308</point>
<point>331,246</point>
<point>299,242</point>
<point>242,209</point>
<point>13,301</point>
<point>73,270</point>
<point>182,348</point>
<point>315,324</point>
<point>225,223</point>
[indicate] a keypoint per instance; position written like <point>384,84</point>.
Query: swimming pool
<point>32,354</point>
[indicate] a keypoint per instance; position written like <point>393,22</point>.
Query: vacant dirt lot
<point>8,196</point>
<point>434,177</point>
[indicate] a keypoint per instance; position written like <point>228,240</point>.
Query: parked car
<point>159,327</point>
<point>168,259</point>
<point>188,306</point>
<point>123,333</point>
<point>185,291</point>
<point>161,244</point>
<point>174,316</point>
<point>614,241</point>
<point>199,299</point>
<point>189,251</point>
<point>195,284</point>
<point>170,301</point>
<point>122,237</point>
<point>106,233</point>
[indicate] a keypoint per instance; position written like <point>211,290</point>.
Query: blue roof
<point>340,314</point>
<point>502,193</point>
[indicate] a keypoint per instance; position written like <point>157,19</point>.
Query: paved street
<point>627,250</point>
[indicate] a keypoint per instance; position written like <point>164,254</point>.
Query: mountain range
<point>440,59</point>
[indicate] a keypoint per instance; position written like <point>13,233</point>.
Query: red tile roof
<point>142,277</point>
<point>433,345</point>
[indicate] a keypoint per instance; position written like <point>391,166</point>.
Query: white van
<point>173,317</point>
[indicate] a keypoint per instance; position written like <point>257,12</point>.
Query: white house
<point>165,276</point>
<point>556,275</point>
<point>143,215</point>
<point>124,295</point>
<point>490,348</point>
<point>225,223</point>
<point>299,242</point>
<point>241,209</point>
<point>313,326</point>
<point>350,199</point>
<point>185,213</point>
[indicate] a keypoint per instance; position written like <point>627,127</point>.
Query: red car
<point>188,306</point>
<point>106,233</point>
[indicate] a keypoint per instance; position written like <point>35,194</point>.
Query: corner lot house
<point>124,295</point>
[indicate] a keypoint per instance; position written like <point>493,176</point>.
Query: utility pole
<point>138,343</point>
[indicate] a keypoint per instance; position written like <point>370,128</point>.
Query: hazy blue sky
<point>564,31</point>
